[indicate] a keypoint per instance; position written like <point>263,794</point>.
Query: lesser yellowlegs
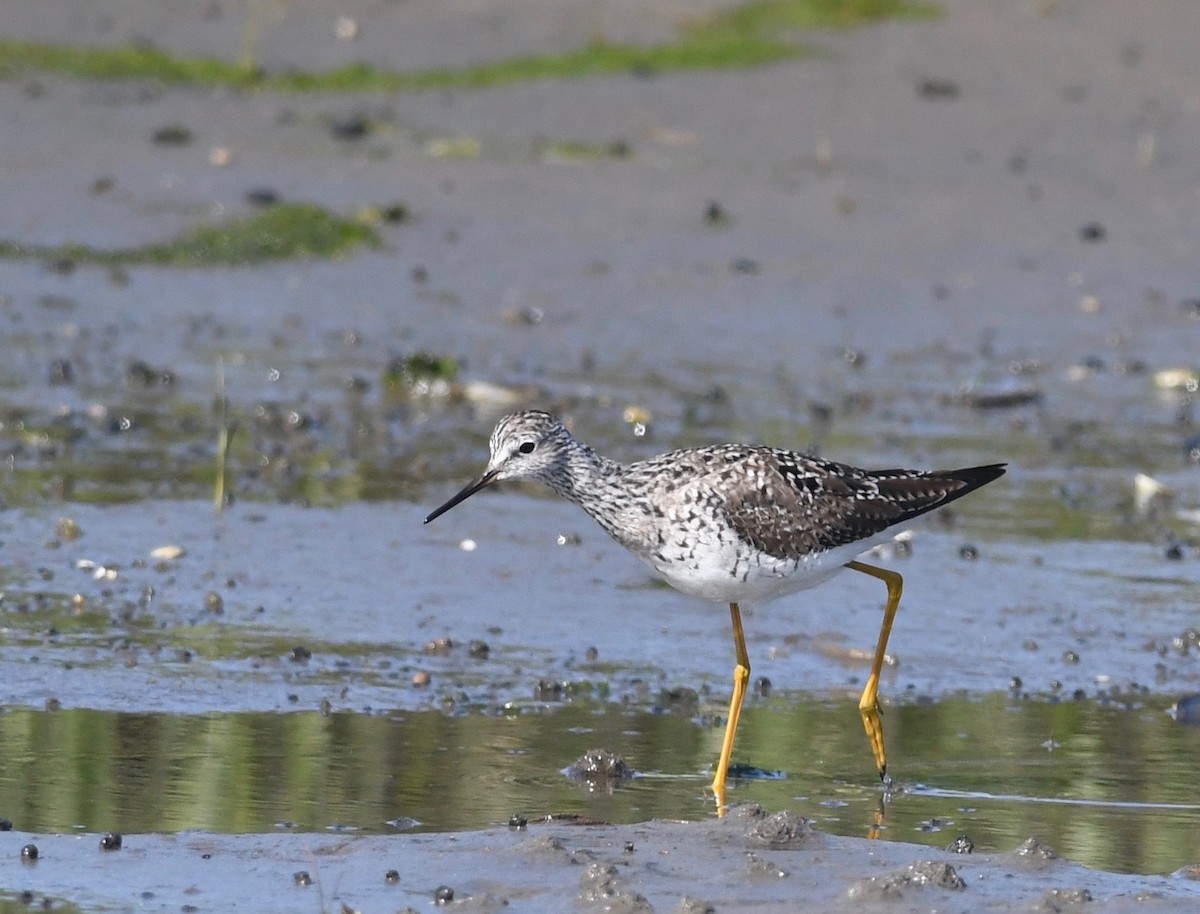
<point>733,523</point>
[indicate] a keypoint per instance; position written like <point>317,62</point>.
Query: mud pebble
<point>1186,710</point>
<point>937,89</point>
<point>746,266</point>
<point>915,876</point>
<point>517,821</point>
<point>1057,900</point>
<point>419,274</point>
<point>421,679</point>
<point>443,895</point>
<point>1000,397</point>
<point>262,196</point>
<point>782,831</point>
<point>391,877</point>
<point>300,654</point>
<point>350,128</point>
<point>478,649</point>
<point>757,868</point>
<point>600,886</point>
<point>396,213</point>
<point>214,603</point>
<point>961,845</point>
<point>968,552</point>
<point>29,852</point>
<point>714,213</point>
<point>172,135</point>
<point>111,842</point>
<point>61,372</point>
<point>1070,657</point>
<point>599,766</point>
<point>1092,232</point>
<point>1034,849</point>
<point>301,878</point>
<point>67,529</point>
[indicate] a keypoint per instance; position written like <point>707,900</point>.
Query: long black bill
<point>481,483</point>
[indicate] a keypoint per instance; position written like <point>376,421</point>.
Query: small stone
<point>961,845</point>
<point>301,878</point>
<point>517,821</point>
<point>443,895</point>
<point>214,603</point>
<point>391,877</point>
<point>111,842</point>
<point>420,679</point>
<point>29,852</point>
<point>1092,232</point>
<point>968,552</point>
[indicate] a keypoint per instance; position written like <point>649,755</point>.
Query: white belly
<point>728,573</point>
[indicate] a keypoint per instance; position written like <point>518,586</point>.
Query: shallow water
<point>1110,786</point>
<point>268,679</point>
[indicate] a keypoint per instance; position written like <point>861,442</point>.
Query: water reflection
<point>1109,787</point>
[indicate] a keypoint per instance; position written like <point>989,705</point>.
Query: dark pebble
<point>762,687</point>
<point>714,214</point>
<point>443,895</point>
<point>599,765</point>
<point>629,848</point>
<point>1092,232</point>
<point>29,852</point>
<point>934,88</point>
<point>396,213</point>
<point>517,821</point>
<point>300,654</point>
<point>1015,684</point>
<point>214,603</point>
<point>961,845</point>
<point>547,690</point>
<point>1070,657</point>
<point>419,274</point>
<point>262,196</point>
<point>172,135</point>
<point>968,552</point>
<point>478,649</point>
<point>111,842</point>
<point>391,877</point>
<point>301,877</point>
<point>61,372</point>
<point>6,825</point>
<point>1174,552</point>
<point>350,128</point>
<point>746,266</point>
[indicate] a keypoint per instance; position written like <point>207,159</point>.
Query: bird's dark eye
<point>527,447</point>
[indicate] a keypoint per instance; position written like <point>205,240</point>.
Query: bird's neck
<point>588,480</point>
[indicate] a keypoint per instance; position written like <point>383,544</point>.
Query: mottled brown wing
<point>799,505</point>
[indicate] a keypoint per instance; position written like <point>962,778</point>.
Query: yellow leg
<point>868,705</point>
<point>741,676</point>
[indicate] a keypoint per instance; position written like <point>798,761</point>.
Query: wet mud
<point>936,243</point>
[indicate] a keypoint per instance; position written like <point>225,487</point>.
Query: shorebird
<point>734,523</point>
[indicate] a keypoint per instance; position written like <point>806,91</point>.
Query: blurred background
<point>270,270</point>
